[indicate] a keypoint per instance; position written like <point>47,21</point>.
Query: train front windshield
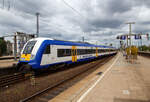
<point>29,47</point>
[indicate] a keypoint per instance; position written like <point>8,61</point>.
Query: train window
<point>101,50</point>
<point>107,50</point>
<point>67,52</point>
<point>60,52</point>
<point>104,50</point>
<point>85,51</point>
<point>29,47</point>
<point>94,51</point>
<point>78,51</point>
<point>81,51</point>
<point>63,52</point>
<point>47,50</point>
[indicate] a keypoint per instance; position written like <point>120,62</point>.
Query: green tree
<point>3,47</point>
<point>144,48</point>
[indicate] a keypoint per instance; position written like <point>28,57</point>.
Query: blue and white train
<point>40,53</point>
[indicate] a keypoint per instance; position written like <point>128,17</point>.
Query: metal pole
<point>3,4</point>
<point>15,46</point>
<point>83,39</point>
<point>130,30</point>
<point>130,36</point>
<point>141,41</point>
<point>8,5</point>
<point>37,20</point>
<point>127,40</point>
<point>130,33</point>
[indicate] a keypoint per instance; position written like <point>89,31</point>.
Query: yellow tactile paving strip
<point>124,82</point>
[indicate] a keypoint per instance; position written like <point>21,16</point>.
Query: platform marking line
<point>101,77</point>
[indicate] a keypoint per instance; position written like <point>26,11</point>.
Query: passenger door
<point>96,52</point>
<point>74,54</point>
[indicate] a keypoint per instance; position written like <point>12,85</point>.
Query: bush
<point>3,47</point>
<point>144,48</point>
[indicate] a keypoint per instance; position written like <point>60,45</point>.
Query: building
<point>9,48</point>
<point>20,39</point>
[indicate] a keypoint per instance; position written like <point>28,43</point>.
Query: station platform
<point>7,57</point>
<point>120,81</point>
<point>7,63</point>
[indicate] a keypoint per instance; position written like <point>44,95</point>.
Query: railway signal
<point>137,37</point>
<point>140,37</point>
<point>122,37</point>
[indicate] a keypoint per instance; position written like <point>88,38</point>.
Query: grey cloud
<point>98,25</point>
<point>141,3</point>
<point>115,6</point>
<point>52,35</point>
<point>107,23</point>
<point>29,6</point>
<point>59,21</point>
<point>119,6</point>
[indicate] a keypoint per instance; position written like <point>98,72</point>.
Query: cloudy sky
<point>97,20</point>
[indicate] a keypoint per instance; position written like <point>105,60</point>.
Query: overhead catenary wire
<point>52,25</point>
<point>72,8</point>
<point>76,11</point>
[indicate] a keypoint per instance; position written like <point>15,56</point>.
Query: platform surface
<point>120,81</point>
<point>7,63</point>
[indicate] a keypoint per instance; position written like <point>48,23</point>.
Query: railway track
<point>145,54</point>
<point>53,90</point>
<point>7,58</point>
<point>6,80</point>
<point>11,79</point>
<point>7,71</point>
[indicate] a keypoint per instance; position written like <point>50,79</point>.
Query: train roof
<point>62,42</point>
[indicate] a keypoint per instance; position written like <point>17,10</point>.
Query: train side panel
<point>55,58</point>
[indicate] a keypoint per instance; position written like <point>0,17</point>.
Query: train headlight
<point>32,57</point>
